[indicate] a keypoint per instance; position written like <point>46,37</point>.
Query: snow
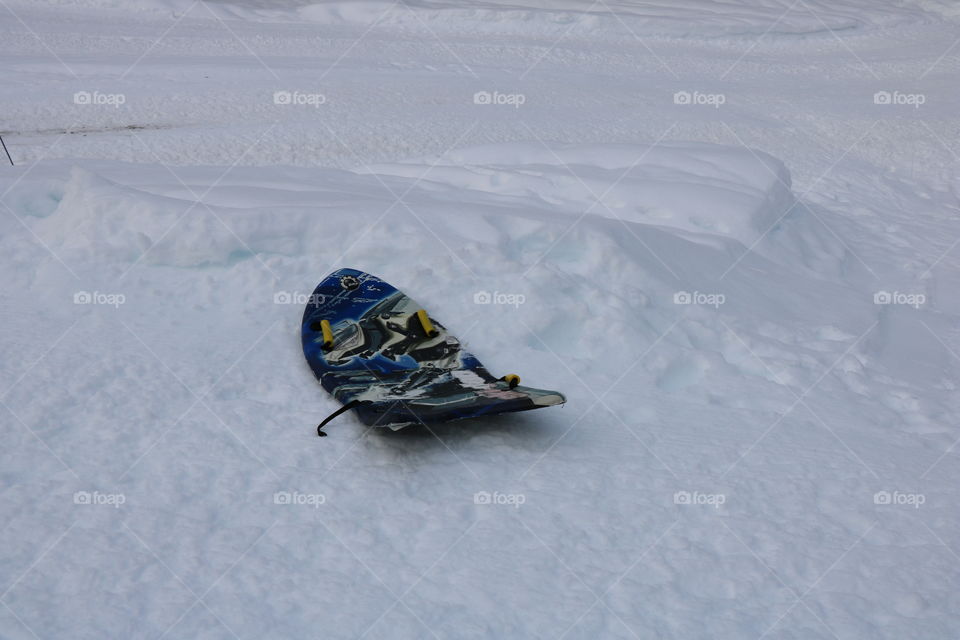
<point>735,261</point>
<point>664,185</point>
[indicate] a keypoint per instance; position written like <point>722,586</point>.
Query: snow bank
<point>724,198</point>
<point>704,193</point>
<point>692,187</point>
<point>99,219</point>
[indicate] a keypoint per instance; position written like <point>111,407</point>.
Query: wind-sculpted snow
<point>703,189</point>
<point>726,198</point>
<point>735,256</point>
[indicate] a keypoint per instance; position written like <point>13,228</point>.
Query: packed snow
<point>726,231</point>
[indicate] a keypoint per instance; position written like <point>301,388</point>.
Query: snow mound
<point>689,187</point>
<point>98,219</point>
<point>703,193</point>
<point>724,199</point>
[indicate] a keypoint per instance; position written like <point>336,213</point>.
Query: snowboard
<point>377,352</point>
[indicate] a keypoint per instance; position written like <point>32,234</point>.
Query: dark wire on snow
<point>4,144</point>
<point>350,405</point>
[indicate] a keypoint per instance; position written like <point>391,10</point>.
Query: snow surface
<point>775,459</point>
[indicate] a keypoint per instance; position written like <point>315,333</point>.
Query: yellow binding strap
<point>426,324</point>
<point>511,379</point>
<point>327,335</point>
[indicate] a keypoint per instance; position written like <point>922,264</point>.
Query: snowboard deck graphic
<point>396,366</point>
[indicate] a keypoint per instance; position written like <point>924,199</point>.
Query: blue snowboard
<point>384,363</point>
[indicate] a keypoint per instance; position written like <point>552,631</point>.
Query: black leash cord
<point>350,405</point>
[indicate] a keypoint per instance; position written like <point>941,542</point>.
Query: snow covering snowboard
<point>398,366</point>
